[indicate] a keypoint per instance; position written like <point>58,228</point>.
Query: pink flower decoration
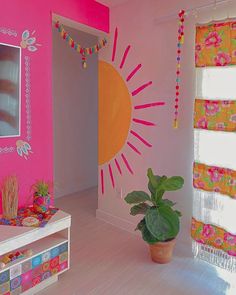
<point>230,239</point>
<point>198,184</point>
<point>213,39</point>
<point>222,59</point>
<point>201,241</point>
<point>211,108</point>
<point>220,126</point>
<point>215,173</point>
<point>233,25</point>
<point>218,241</point>
<point>217,189</point>
<point>202,123</point>
<point>232,182</point>
<point>208,231</point>
<point>226,103</point>
<point>233,118</point>
<point>231,252</point>
<point>234,53</point>
<point>198,47</point>
<point>218,25</point>
<point>196,175</point>
<point>193,226</point>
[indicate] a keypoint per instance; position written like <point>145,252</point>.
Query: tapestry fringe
<point>214,256</point>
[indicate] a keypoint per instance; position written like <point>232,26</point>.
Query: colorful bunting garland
<point>179,44</point>
<point>84,51</point>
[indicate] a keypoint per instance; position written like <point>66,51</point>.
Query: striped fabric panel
<point>214,179</point>
<point>214,236</point>
<point>217,115</point>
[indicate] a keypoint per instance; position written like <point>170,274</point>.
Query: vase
<point>161,252</point>
<point>41,203</point>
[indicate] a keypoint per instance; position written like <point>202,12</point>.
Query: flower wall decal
<point>23,149</point>
<point>28,41</point>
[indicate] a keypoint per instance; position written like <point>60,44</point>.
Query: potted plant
<point>160,224</point>
<point>41,196</point>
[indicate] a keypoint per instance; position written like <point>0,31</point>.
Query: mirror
<point>10,59</point>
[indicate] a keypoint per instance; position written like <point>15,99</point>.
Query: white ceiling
<point>111,3</point>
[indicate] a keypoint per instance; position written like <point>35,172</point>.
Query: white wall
<point>75,115</point>
<point>154,45</point>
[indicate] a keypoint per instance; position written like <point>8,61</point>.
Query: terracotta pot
<point>161,252</point>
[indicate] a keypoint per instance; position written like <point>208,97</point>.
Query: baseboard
<point>61,194</point>
<point>116,221</point>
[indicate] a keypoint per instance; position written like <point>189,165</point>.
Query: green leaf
<point>150,186</point>
<point>146,235</point>
<point>156,198</point>
<point>178,213</point>
<point>167,202</point>
<point>173,183</point>
<point>139,209</point>
<point>163,223</point>
<point>153,180</point>
<point>137,197</point>
<point>140,225</point>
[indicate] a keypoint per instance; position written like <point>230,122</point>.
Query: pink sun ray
<point>133,72</point>
<point>111,176</point>
<point>149,105</point>
<point>118,166</point>
<point>141,88</point>
<point>143,122</point>
<point>133,148</point>
<point>140,138</point>
<point>114,45</point>
<point>124,56</point>
<point>127,164</point>
<point>102,180</point>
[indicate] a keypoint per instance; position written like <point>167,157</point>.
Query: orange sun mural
<point>117,112</point>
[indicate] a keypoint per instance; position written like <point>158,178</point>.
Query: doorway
<point>75,113</point>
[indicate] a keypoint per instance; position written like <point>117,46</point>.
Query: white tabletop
<point>13,237</point>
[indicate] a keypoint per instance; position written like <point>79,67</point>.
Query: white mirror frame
<point>19,105</point>
<point>25,69</point>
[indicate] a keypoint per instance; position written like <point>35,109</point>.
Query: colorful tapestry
<point>23,276</point>
<point>218,115</point>
<point>213,236</point>
<point>23,213</point>
<point>214,179</point>
<point>216,44</point>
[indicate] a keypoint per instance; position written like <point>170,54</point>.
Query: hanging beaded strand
<point>84,51</point>
<point>179,45</point>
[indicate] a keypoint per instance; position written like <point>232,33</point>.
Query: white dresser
<point>50,258</point>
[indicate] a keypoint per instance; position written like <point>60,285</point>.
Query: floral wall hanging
<point>213,181</point>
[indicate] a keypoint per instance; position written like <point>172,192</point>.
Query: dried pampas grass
<point>10,197</point>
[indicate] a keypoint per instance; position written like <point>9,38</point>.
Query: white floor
<point>110,261</point>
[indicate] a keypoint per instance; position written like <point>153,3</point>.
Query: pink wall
<point>18,15</point>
